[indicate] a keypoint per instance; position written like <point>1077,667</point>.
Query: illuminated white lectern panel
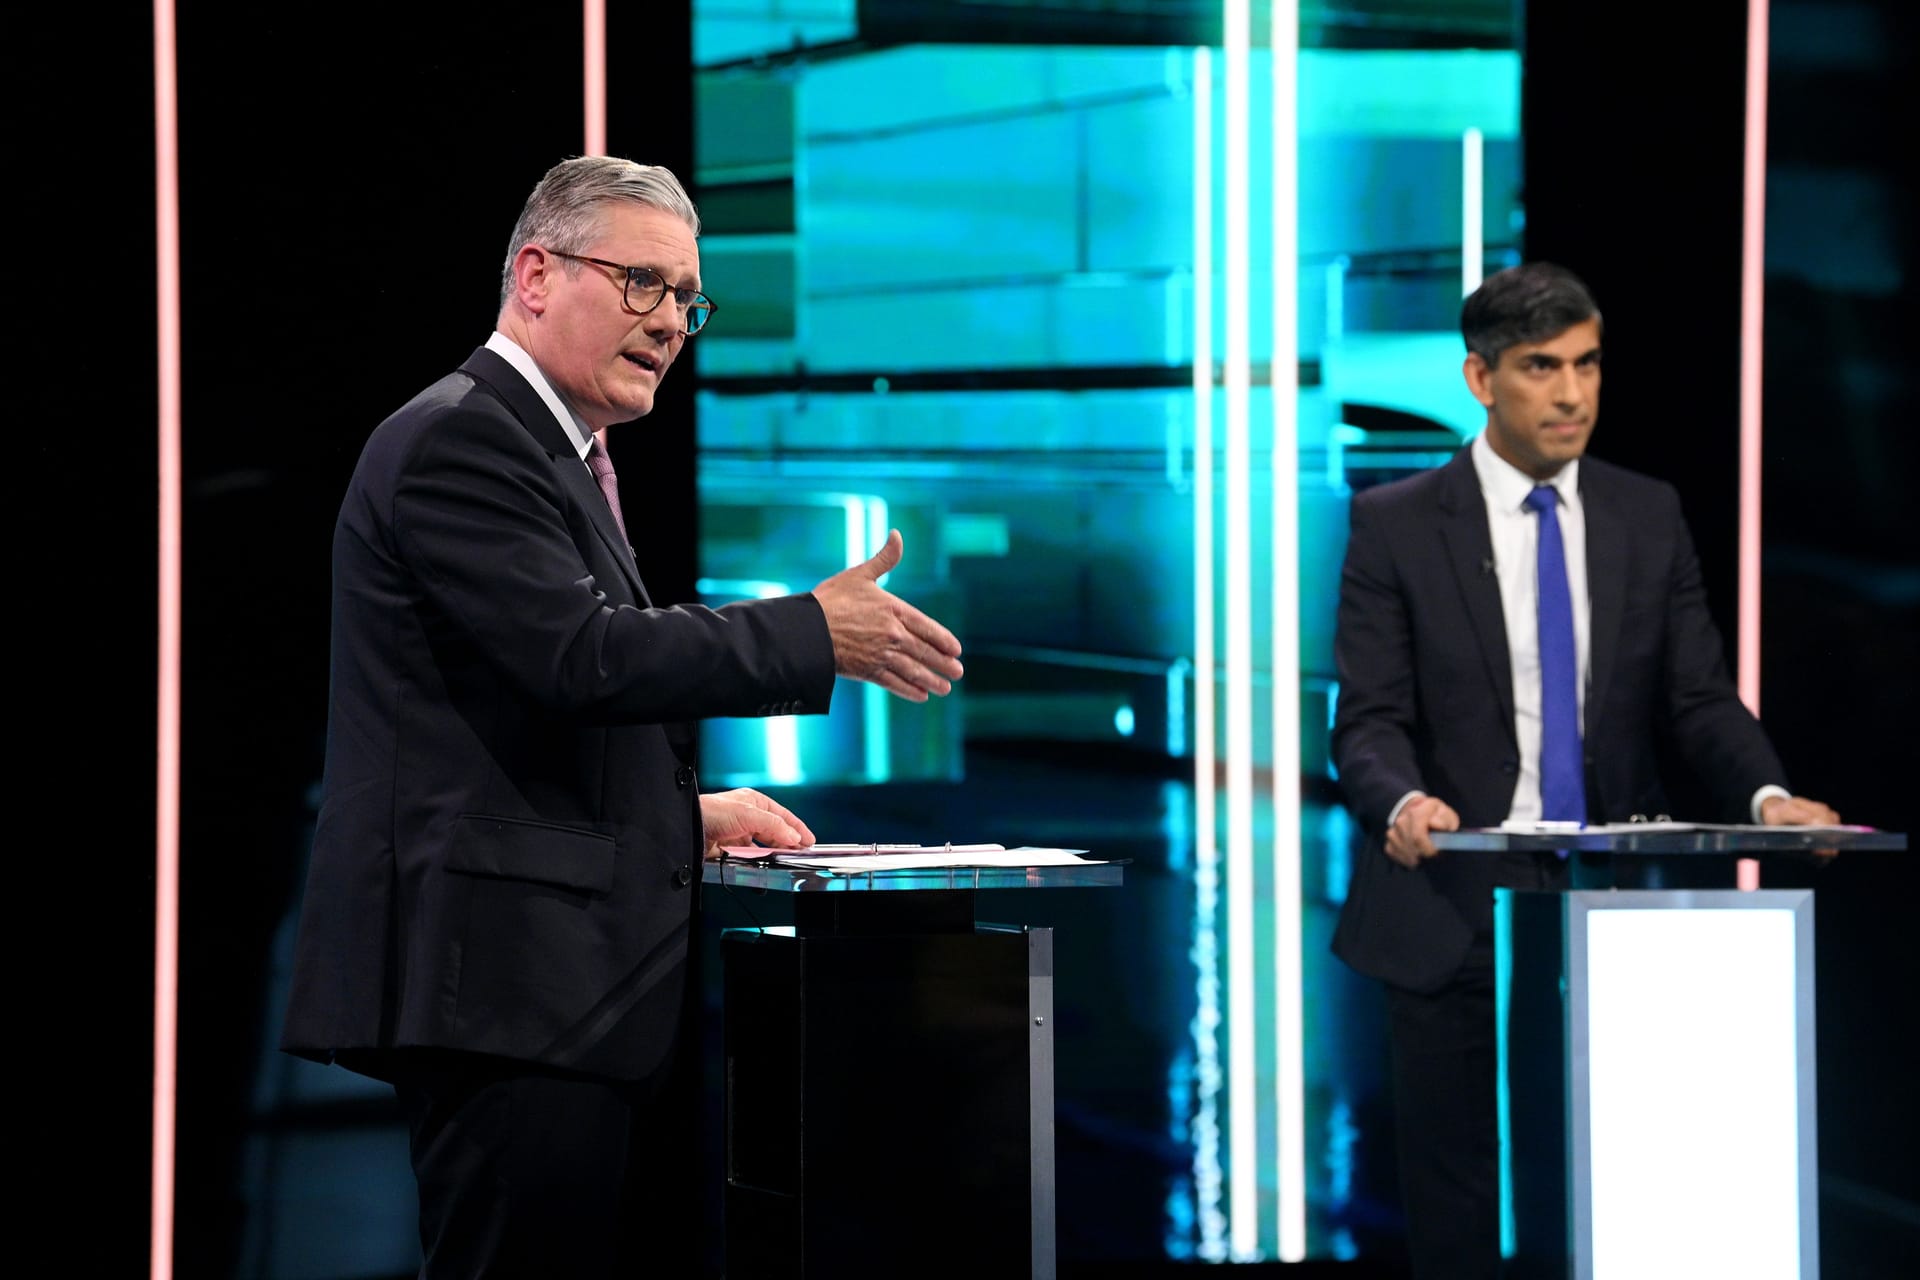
<point>1685,1070</point>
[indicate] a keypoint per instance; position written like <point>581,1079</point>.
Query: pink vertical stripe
<point>1753,241</point>
<point>596,76</point>
<point>1752,303</point>
<point>166,895</point>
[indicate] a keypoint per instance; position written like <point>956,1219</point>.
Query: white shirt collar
<point>570,422</point>
<point>1507,486</point>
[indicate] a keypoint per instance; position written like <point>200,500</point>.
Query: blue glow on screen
<point>957,282</point>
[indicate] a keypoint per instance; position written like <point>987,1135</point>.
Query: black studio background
<point>349,177</point>
<point>1632,118</point>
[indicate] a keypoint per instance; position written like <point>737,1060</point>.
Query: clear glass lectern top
<point>766,874</point>
<point>1667,838</point>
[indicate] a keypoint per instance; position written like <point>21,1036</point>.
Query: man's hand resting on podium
<point>1798,811</point>
<point>1407,841</point>
<point>744,816</point>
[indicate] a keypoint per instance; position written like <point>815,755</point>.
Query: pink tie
<point>602,467</point>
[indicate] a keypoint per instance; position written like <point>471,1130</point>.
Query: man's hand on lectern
<point>1407,840</point>
<point>744,816</point>
<point>1798,811</point>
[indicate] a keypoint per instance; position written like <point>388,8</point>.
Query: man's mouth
<point>646,362</point>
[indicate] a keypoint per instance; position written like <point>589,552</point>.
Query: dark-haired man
<point>507,856</point>
<point>1516,628</point>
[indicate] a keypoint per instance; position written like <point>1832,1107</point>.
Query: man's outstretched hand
<point>880,638</point>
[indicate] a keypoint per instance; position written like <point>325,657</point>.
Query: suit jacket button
<point>683,776</point>
<point>682,877</point>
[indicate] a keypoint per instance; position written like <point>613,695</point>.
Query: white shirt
<point>570,422</point>
<point>1516,539</point>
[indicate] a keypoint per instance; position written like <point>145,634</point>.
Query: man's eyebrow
<point>671,283</point>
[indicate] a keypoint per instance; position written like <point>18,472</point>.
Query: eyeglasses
<point>647,289</point>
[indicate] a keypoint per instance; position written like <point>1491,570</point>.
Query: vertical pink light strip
<point>166,892</point>
<point>594,13</point>
<point>1752,309</point>
<point>1752,302</point>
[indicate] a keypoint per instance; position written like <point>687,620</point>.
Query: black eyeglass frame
<point>688,300</point>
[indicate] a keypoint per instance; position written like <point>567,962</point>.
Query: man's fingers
<point>1419,819</point>
<point>882,562</point>
<point>928,631</point>
<point>1408,842</point>
<point>1799,811</point>
<point>735,818</point>
<point>767,804</point>
<point>898,686</point>
<point>912,671</point>
<point>769,828</point>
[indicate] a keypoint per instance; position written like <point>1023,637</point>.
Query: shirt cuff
<point>1760,797</point>
<point>1393,815</point>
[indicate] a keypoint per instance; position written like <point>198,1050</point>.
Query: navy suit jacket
<point>507,854</point>
<point>1426,694</point>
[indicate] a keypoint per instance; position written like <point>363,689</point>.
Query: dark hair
<point>1528,303</point>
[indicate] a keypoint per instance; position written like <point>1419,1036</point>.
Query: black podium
<point>889,1077</point>
<point>1658,1103</point>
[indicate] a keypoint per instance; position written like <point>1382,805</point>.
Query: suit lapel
<point>488,367</point>
<point>1463,526</point>
<point>1606,584</point>
<point>580,482</point>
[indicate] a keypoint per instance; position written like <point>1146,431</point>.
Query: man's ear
<point>533,269</point>
<point>1479,375</point>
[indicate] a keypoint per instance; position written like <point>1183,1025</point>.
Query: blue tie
<point>1563,789</point>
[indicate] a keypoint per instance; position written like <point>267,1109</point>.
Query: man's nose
<point>1568,388</point>
<point>666,321</point>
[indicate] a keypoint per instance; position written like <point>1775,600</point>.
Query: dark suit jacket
<point>1426,696</point>
<point>507,855</point>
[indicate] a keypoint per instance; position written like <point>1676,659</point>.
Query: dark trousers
<point>1446,1103</point>
<point>1445,1060</point>
<point>534,1174</point>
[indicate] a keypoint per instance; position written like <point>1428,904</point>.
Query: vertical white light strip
<point>1473,237</point>
<point>1206,847</point>
<point>166,892</point>
<point>1753,241</point>
<point>1243,1172</point>
<point>594,75</point>
<point>1289,977</point>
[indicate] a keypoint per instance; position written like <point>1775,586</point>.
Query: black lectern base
<point>889,1106</point>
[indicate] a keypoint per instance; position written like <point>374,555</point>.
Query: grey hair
<point>564,211</point>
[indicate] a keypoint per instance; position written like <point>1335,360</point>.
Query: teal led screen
<point>962,253</point>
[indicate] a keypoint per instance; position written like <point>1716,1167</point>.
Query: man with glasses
<point>507,856</point>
